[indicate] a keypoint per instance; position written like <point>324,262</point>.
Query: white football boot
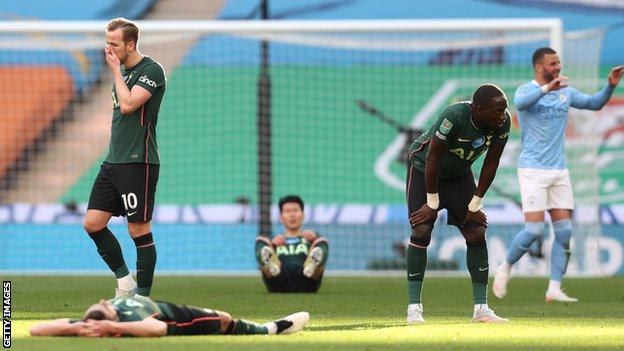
<point>558,295</point>
<point>270,261</point>
<point>415,314</point>
<point>290,324</point>
<point>499,286</point>
<point>487,315</point>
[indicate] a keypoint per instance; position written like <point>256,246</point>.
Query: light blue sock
<point>523,240</point>
<point>560,253</point>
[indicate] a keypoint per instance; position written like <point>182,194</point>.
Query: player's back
<point>131,309</point>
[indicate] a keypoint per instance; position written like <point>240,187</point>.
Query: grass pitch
<point>347,314</point>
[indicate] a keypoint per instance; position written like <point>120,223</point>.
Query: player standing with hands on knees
<point>440,176</point>
<point>544,179</point>
<point>126,183</point>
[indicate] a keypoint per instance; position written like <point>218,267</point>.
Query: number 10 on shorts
<point>130,201</point>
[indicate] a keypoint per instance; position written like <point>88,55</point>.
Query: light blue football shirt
<point>543,118</point>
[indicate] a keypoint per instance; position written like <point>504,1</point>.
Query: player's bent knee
<point>92,225</point>
<point>421,235</point>
<point>138,229</point>
<point>474,236</point>
<point>563,231</point>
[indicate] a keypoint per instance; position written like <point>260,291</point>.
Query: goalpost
<point>234,136</point>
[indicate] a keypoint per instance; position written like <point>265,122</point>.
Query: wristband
<point>544,88</point>
<point>433,201</point>
<point>475,204</point>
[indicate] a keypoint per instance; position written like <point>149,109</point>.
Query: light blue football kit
<point>543,117</point>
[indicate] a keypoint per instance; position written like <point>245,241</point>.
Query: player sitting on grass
<point>293,261</point>
<point>139,316</point>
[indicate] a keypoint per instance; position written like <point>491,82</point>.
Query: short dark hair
<point>486,93</point>
<point>290,198</point>
<point>97,315</point>
<point>130,31</point>
<point>539,54</point>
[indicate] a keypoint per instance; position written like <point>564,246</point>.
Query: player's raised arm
<point>597,101</point>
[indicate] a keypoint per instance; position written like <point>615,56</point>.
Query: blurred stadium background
<point>330,95</point>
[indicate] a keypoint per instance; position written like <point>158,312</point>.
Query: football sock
<point>110,251</point>
<point>325,248</point>
<point>416,265</point>
<point>241,326</point>
<point>560,252</point>
<point>260,243</point>
<point>523,240</point>
<point>146,262</point>
<point>477,262</point>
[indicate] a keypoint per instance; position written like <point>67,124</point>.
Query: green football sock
<point>325,248</point>
<point>242,326</point>
<point>477,262</point>
<point>416,265</point>
<point>260,243</point>
<point>109,249</point>
<point>146,263</point>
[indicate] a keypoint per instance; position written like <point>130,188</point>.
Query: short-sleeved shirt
<point>180,319</point>
<point>465,141</point>
<point>133,136</point>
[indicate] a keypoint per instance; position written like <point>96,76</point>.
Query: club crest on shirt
<point>562,98</point>
<point>446,126</point>
<point>478,142</point>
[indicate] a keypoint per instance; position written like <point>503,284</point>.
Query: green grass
<point>347,314</point>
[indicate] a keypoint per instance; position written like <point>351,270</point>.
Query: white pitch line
<point>382,164</point>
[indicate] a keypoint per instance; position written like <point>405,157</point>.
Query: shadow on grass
<point>356,326</point>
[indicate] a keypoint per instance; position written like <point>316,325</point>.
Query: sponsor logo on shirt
<point>143,79</point>
<point>478,142</point>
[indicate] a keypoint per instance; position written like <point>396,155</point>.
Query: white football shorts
<point>545,189</point>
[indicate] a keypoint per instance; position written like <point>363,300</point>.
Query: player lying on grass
<point>293,261</point>
<point>138,316</point>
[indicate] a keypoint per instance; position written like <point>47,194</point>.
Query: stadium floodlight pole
<point>265,179</point>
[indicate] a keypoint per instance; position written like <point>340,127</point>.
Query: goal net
<point>323,109</point>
